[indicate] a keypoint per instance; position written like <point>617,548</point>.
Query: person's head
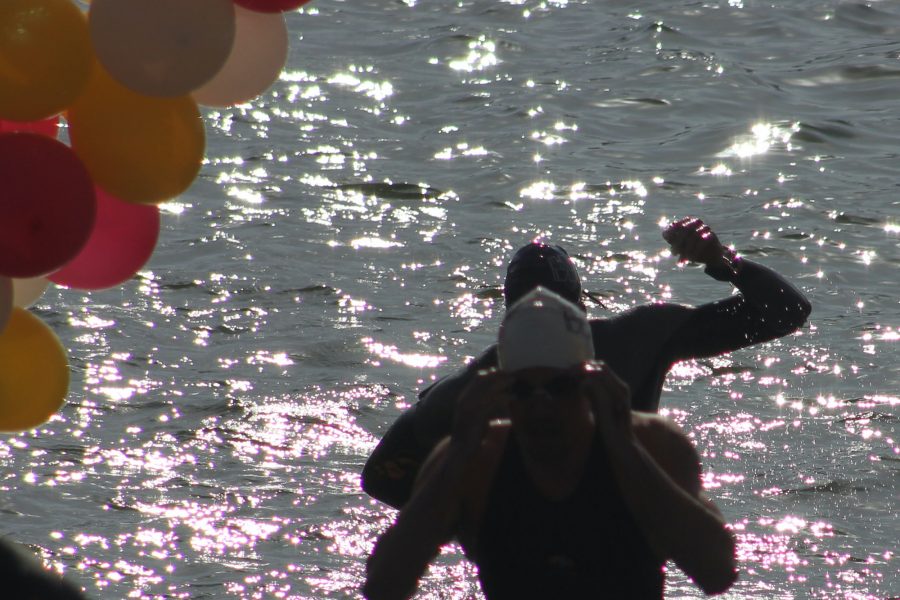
<point>543,343</point>
<point>538,264</point>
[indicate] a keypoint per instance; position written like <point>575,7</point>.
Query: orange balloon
<point>162,47</point>
<point>34,372</point>
<point>45,57</point>
<point>259,53</point>
<point>138,148</point>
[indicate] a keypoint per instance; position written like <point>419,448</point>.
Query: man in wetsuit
<point>639,345</point>
<point>575,496</point>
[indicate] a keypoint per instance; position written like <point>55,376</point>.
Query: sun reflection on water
<point>415,360</point>
<point>481,56</point>
<point>206,486</point>
<point>761,139</point>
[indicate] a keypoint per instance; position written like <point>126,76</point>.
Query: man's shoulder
<point>669,446</point>
<point>662,436</point>
<point>646,424</point>
<point>642,323</point>
<point>653,310</point>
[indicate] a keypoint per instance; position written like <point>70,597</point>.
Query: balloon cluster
<point>128,77</point>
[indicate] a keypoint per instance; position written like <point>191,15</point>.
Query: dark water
<point>345,241</point>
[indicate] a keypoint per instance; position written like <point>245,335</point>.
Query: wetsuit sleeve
<point>390,471</point>
<point>766,307</point>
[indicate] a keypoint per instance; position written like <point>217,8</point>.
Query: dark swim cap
<point>541,264</point>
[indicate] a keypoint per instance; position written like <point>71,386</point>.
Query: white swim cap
<point>543,329</point>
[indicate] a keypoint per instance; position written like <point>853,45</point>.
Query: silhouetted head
<point>538,264</point>
<point>544,330</point>
<point>543,344</point>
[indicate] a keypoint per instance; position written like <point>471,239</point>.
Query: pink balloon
<point>259,53</point>
<point>47,204</point>
<point>271,6</point>
<point>47,127</point>
<point>122,241</point>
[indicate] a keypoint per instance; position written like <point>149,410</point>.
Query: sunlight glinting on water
<point>224,414</point>
<point>224,525</point>
<point>373,242</point>
<point>482,56</point>
<point>686,372</point>
<point>461,149</point>
<point>471,310</point>
<point>763,138</point>
<point>103,376</point>
<point>391,353</point>
<point>372,89</point>
<point>790,543</point>
<point>539,190</point>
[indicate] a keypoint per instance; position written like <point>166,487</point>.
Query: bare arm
<point>403,552</point>
<point>430,518</point>
<point>663,495</point>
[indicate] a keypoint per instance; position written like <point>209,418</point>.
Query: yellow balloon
<point>138,148</point>
<point>45,57</point>
<point>34,372</point>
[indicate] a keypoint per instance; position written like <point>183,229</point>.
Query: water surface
<point>344,245</point>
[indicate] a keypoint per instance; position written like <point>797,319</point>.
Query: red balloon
<point>46,127</point>
<point>123,239</point>
<point>271,6</point>
<point>47,204</point>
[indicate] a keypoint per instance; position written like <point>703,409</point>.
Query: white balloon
<point>27,291</point>
<point>256,60</point>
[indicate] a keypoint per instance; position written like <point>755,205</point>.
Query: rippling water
<point>345,241</point>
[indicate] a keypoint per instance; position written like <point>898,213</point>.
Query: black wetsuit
<point>640,345</point>
<point>584,546</point>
